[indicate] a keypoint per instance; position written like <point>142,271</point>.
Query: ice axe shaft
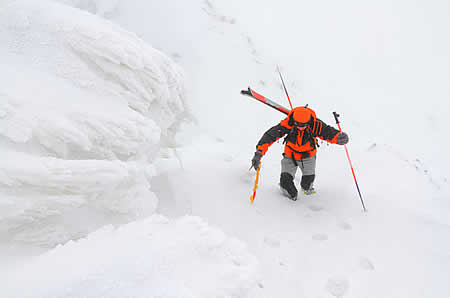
<point>252,198</point>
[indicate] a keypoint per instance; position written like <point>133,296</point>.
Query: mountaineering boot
<point>307,184</point>
<point>309,191</point>
<point>287,186</point>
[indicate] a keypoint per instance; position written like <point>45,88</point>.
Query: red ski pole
<point>336,115</point>
<point>284,86</point>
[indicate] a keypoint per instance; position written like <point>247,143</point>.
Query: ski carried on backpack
<point>253,94</point>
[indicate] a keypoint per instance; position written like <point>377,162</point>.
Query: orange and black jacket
<point>298,144</point>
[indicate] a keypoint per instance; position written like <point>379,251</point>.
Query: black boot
<point>306,184</point>
<point>287,184</point>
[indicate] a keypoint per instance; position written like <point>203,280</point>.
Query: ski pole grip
<point>336,115</point>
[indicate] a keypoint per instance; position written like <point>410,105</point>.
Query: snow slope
<point>323,246</point>
<point>72,168</point>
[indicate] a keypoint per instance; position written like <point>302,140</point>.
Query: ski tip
<point>247,92</point>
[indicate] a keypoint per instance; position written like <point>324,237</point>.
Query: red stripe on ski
<point>268,102</point>
<point>286,111</point>
<point>258,96</point>
<point>250,92</point>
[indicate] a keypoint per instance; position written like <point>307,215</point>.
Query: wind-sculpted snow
<point>53,200</point>
<point>141,259</point>
<point>94,54</point>
<point>76,132</point>
<point>85,108</point>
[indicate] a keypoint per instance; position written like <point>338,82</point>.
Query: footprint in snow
<point>366,264</point>
<point>320,237</point>
<point>272,242</point>
<point>337,286</point>
<point>315,207</point>
<point>228,158</point>
<point>345,226</point>
<point>248,178</point>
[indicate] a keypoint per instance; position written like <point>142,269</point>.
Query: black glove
<point>256,160</point>
<point>342,138</point>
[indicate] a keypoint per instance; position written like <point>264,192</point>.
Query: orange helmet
<point>301,116</point>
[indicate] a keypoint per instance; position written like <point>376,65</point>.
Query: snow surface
<point>148,259</point>
<point>125,149</point>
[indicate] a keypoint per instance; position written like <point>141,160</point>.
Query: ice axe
<point>252,198</point>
